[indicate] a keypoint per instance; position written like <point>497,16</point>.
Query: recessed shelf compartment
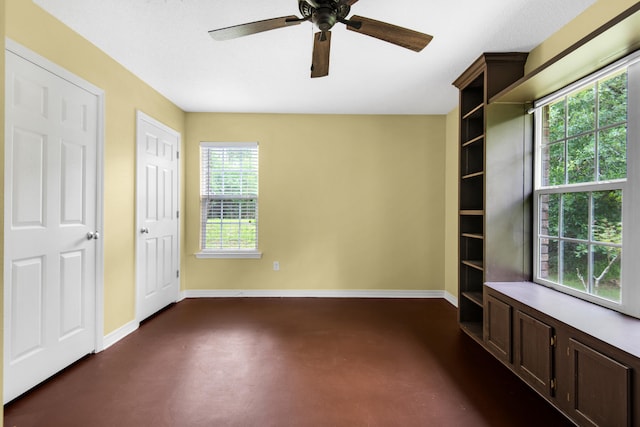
<point>475,297</point>
<point>473,329</point>
<point>472,95</point>
<point>474,113</point>
<point>472,158</point>
<point>473,126</point>
<point>472,193</point>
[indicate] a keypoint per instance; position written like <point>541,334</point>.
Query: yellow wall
<point>30,26</point>
<point>346,202</point>
<point>595,16</point>
<point>2,34</point>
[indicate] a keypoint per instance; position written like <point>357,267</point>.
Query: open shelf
<point>475,297</point>
<point>471,212</point>
<point>473,236</point>
<point>474,140</point>
<point>473,329</point>
<point>478,265</point>
<point>473,175</point>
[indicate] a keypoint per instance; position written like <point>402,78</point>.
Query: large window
<point>586,182</point>
<point>229,199</point>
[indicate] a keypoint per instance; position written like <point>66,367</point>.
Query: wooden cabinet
<point>534,346</point>
<point>600,387</point>
<point>485,132</point>
<point>559,345</point>
<point>497,327</point>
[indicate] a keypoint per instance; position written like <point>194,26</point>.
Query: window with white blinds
<point>229,197</point>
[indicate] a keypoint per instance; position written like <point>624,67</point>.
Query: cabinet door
<point>600,393</point>
<point>534,352</point>
<point>497,328</point>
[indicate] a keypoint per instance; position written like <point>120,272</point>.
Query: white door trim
<point>50,66</point>
<point>141,116</point>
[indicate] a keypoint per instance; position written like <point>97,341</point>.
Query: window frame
<point>630,187</point>
<point>226,253</point>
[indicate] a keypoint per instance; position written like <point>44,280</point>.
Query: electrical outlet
<point>276,266</point>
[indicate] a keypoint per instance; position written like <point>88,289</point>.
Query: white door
<point>50,224</point>
<point>157,244</point>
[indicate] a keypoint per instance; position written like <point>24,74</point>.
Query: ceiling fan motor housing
<point>324,13</point>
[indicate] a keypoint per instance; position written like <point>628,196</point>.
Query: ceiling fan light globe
<point>324,18</point>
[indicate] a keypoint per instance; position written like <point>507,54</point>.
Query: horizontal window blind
<point>229,196</point>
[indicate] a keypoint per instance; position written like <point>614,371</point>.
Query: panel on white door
<point>167,200</point>
<point>166,261</point>
<point>30,96</point>
<point>152,193</point>
<point>73,114</point>
<point>72,183</point>
<point>27,321</point>
<point>28,186</point>
<point>152,144</point>
<point>151,252</point>
<point>71,293</point>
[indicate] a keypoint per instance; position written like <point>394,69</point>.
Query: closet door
<point>50,224</point>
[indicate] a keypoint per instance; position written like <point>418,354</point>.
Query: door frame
<point>67,75</point>
<point>142,116</point>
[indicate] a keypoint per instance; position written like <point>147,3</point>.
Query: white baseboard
<point>233,293</point>
<point>115,336</point>
<point>453,300</point>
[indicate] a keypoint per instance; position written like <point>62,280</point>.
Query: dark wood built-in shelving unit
<point>582,358</point>
<point>491,73</point>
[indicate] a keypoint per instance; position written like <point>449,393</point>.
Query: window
<point>586,180</point>
<point>229,200</point>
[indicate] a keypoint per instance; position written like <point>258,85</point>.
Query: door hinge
<point>177,273</point>
<point>554,340</point>
<point>554,383</point>
<point>177,154</point>
<point>177,214</point>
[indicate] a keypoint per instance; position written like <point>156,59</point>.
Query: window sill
<point>251,254</point>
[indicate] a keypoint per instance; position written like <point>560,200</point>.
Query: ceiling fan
<point>325,14</point>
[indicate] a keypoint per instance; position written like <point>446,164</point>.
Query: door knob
<point>144,230</point>
<point>93,235</point>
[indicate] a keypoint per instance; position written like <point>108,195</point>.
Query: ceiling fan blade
<point>321,53</point>
<point>242,30</point>
<point>400,36</point>
<point>349,2</point>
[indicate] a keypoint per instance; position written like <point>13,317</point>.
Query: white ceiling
<point>166,43</point>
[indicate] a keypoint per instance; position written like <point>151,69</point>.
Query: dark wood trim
<point>483,60</point>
